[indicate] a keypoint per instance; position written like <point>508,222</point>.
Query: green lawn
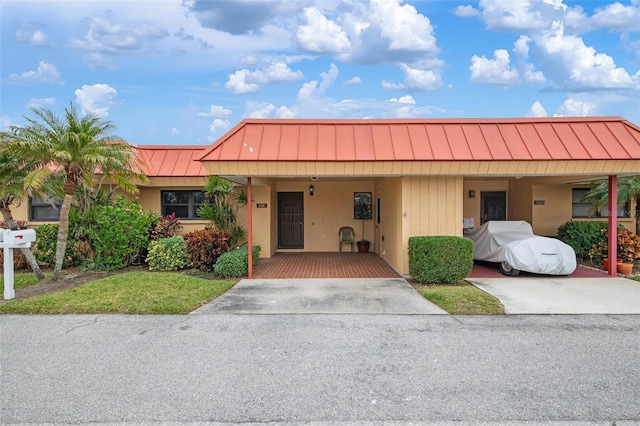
<point>144,292</point>
<point>461,299</point>
<point>20,280</point>
<point>139,292</point>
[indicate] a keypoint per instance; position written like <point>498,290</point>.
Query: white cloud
<point>284,112</point>
<point>5,122</point>
<point>320,35</point>
<point>31,33</point>
<point>40,102</point>
<point>465,11</point>
<point>313,90</point>
<point>536,110</point>
<point>45,73</point>
<point>216,111</point>
<point>416,79</point>
<point>354,80</point>
<point>618,17</point>
<point>219,124</point>
<point>575,108</point>
<point>494,71</point>
<point>260,110</point>
<point>407,99</point>
<point>521,46</point>
<point>522,15</point>
<point>572,65</point>
<point>175,131</point>
<point>96,99</point>
<point>245,81</point>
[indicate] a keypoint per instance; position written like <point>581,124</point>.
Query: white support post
<point>9,291</point>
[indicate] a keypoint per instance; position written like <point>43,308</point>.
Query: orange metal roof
<point>159,160</point>
<point>558,138</point>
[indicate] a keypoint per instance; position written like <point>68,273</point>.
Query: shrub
<point>44,248</point>
<point>582,236</point>
<point>440,259</point>
<point>168,254</point>
<point>165,227</point>
<point>234,263</point>
<point>205,246</point>
<point>118,234</point>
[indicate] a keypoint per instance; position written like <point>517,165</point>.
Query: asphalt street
<point>320,369</point>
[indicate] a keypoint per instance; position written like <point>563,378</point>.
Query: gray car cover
<point>515,243</point>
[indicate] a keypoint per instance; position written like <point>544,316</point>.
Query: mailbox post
<point>11,239</point>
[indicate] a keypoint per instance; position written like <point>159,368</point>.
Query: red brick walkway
<point>324,265</point>
<point>360,265</point>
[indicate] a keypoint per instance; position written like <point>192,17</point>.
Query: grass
<point>461,299</point>
<point>21,280</point>
<point>144,292</point>
<point>138,292</point>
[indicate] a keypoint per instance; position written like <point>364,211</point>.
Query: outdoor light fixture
<point>472,193</point>
<point>311,190</point>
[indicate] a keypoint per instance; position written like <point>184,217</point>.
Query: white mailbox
<point>18,238</point>
<point>13,239</point>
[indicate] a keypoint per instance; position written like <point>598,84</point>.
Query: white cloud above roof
<point>96,99</point>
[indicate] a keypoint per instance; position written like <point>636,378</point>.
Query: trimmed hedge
<point>440,259</point>
<point>582,236</point>
<point>234,263</point>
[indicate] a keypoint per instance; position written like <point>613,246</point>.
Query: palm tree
<point>12,191</point>
<point>77,148</point>
<point>628,189</point>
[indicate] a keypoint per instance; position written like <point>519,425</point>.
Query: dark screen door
<point>493,206</point>
<point>290,220</point>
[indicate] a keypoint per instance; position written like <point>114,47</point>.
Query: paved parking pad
<point>321,296</point>
<point>563,295</point>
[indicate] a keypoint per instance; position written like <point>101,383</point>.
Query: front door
<point>290,220</point>
<point>493,206</point>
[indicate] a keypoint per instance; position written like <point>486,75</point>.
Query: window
<point>582,209</point>
<point>184,204</point>
<point>362,205</point>
<point>44,209</point>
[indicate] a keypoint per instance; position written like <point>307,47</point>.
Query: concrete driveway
<point>563,295</point>
<point>321,296</point>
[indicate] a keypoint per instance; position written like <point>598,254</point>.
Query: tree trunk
<point>63,235</point>
<point>26,252</point>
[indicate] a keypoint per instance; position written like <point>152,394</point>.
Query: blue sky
<point>183,72</point>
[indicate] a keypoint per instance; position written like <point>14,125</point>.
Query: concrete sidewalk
<point>563,295</point>
<point>321,296</point>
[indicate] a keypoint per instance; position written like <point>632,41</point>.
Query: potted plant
<point>362,211</point>
<point>628,250</point>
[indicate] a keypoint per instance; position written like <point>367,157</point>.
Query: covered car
<point>516,248</point>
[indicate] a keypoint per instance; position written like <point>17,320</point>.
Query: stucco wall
<point>330,208</point>
<point>471,206</point>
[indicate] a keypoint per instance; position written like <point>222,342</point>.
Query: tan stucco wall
<point>519,200</point>
<point>330,208</point>
<point>471,206</point>
<point>430,206</point>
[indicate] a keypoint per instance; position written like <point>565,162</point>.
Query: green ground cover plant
<point>461,298</point>
<point>139,292</point>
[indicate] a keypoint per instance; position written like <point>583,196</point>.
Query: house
<point>416,176</point>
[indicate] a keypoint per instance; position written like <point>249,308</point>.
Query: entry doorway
<point>493,206</point>
<point>290,220</point>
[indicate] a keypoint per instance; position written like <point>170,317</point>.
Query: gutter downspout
<point>249,227</point>
<point>613,225</point>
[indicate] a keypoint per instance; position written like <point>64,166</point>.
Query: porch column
<point>249,228</point>
<point>613,225</point>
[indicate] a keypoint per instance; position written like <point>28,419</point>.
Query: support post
<point>612,238</point>
<point>9,291</point>
<point>249,227</point>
